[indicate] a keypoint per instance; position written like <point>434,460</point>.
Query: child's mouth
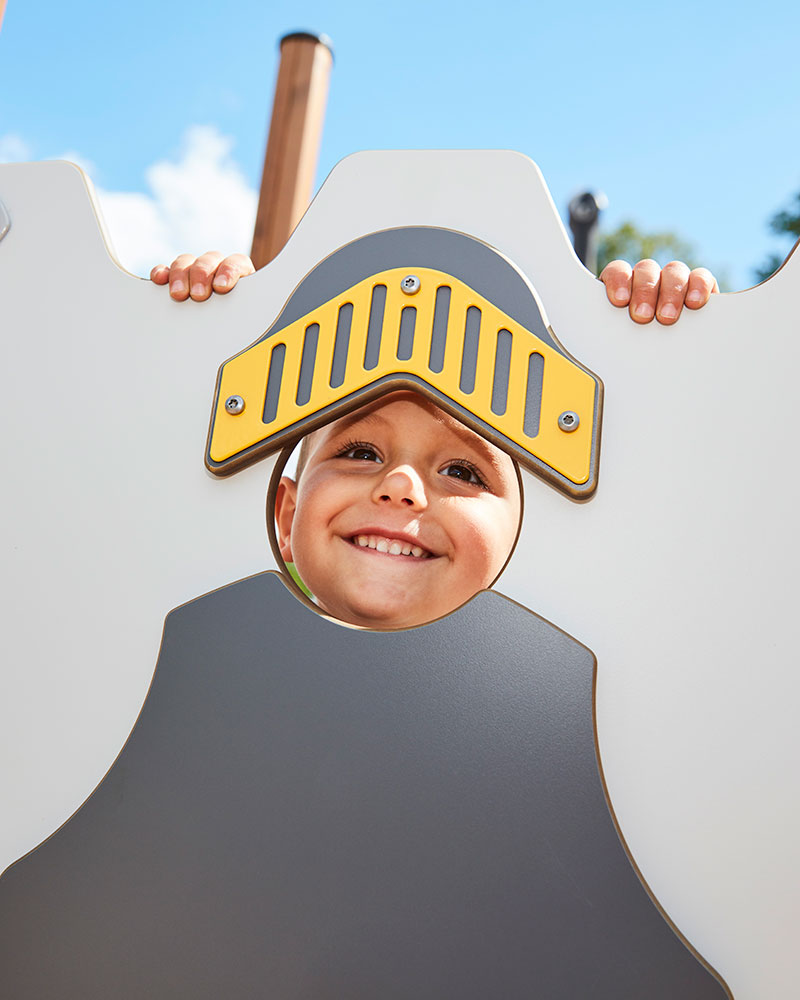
<point>390,546</point>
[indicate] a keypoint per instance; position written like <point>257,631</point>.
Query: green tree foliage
<point>628,242</point>
<point>783,223</point>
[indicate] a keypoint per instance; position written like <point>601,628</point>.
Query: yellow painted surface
<point>565,386</point>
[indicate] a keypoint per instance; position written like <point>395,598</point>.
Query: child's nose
<point>401,485</point>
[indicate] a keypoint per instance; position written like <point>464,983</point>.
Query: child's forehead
<point>382,415</point>
<point>414,406</point>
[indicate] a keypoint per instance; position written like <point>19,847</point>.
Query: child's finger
<point>671,292</point>
<point>201,273</point>
<point>235,266</point>
<point>617,277</point>
<point>179,277</point>
<point>644,291</point>
<point>700,287</point>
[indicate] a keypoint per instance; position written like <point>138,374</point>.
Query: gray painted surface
<point>307,361</point>
<point>469,358</point>
<point>502,367</point>
<point>276,359</point>
<point>341,345</point>
<point>405,337</point>
<point>305,810</point>
<point>533,394</point>
<point>441,315</point>
<point>377,307</point>
<point>464,257</point>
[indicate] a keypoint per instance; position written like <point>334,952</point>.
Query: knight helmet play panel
<point>304,808</point>
<point>574,788</point>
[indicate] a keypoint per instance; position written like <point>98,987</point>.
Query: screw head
<point>234,405</point>
<point>568,421</point>
<point>410,284</point>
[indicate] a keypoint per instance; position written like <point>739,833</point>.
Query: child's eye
<point>361,451</point>
<point>464,471</point>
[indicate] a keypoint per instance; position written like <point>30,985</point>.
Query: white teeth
<point>392,546</point>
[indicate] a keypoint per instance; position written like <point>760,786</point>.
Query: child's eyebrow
<point>473,440</point>
<point>358,417</point>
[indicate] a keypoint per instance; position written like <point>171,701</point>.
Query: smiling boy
<point>399,513</point>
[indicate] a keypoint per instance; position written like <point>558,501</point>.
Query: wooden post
<point>294,140</point>
<point>2,11</point>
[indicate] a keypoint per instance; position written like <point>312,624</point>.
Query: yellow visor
<point>417,328</point>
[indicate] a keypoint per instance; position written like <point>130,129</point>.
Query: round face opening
<point>395,514</point>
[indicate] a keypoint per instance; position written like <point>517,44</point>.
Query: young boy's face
<point>400,515</point>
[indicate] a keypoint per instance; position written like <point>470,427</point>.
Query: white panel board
<point>679,574</point>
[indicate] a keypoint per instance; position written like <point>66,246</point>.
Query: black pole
<point>584,213</point>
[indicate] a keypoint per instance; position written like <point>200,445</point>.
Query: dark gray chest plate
<point>309,811</point>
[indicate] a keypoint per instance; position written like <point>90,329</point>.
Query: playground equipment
<point>676,573</point>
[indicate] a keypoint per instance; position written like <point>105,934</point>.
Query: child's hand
<point>645,289</point>
<point>199,276</point>
<point>649,291</point>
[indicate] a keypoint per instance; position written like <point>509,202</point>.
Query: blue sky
<point>685,115</point>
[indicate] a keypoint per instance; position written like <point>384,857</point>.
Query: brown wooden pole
<point>2,11</point>
<point>293,145</point>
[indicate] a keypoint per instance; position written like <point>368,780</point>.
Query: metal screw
<point>568,421</point>
<point>410,284</point>
<point>234,405</point>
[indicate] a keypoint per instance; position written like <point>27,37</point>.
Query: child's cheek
<point>489,541</point>
<point>479,553</point>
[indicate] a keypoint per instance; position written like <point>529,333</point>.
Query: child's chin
<point>383,614</point>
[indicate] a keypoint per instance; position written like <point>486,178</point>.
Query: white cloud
<point>200,202</point>
<point>14,149</point>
